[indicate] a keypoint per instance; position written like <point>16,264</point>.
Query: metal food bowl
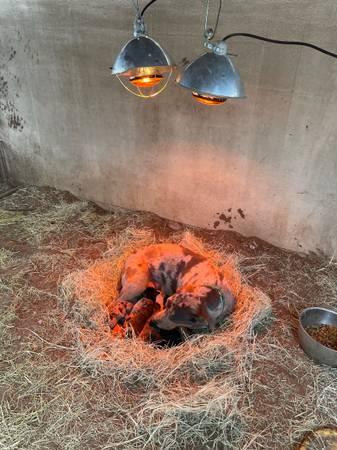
<point>315,317</point>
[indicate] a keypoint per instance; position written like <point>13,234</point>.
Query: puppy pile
<point>165,287</point>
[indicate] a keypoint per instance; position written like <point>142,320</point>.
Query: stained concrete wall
<point>268,162</point>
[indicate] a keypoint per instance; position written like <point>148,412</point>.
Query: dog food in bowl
<point>316,331</point>
<point>324,334</point>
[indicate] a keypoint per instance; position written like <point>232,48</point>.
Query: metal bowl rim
<point>333,352</point>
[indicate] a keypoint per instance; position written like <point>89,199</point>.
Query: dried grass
<point>7,258</point>
<point>311,405</point>
<point>220,365</point>
<point>37,217</point>
<point>74,387</point>
<point>194,399</point>
<point>49,413</point>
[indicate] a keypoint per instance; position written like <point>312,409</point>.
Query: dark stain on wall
<point>10,113</point>
<point>227,219</point>
<point>242,214</point>
<point>298,243</point>
<point>15,122</point>
<point>3,87</point>
<point>12,54</point>
<point>12,116</point>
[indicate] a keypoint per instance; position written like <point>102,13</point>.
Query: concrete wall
<point>269,162</point>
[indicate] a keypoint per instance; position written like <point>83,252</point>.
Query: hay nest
<point>182,397</point>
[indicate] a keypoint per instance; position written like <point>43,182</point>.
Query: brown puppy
<point>196,294</point>
<point>140,314</point>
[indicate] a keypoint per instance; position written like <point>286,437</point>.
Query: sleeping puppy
<point>123,311</point>
<point>140,314</point>
<point>193,290</point>
<point>204,306</point>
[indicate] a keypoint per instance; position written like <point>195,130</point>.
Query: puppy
<point>202,307</point>
<point>195,294</point>
<point>140,314</point>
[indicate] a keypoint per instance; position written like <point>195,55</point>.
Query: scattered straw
<point>7,258</point>
<point>65,383</point>
<point>192,399</point>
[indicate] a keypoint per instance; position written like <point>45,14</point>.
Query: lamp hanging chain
<point>136,6</point>
<point>209,33</point>
<point>277,41</point>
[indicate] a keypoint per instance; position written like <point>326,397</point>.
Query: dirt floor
<point>51,400</point>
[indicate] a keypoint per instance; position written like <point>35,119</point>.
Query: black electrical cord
<point>259,38</point>
<point>276,41</point>
<point>146,6</point>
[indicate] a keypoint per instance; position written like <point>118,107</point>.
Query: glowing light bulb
<point>146,81</point>
<point>208,99</point>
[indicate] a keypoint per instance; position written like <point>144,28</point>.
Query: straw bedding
<point>183,393</point>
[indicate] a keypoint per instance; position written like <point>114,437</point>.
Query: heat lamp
<point>142,66</point>
<point>212,77</point>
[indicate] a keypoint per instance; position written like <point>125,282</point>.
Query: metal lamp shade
<point>214,75</point>
<point>140,57</point>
